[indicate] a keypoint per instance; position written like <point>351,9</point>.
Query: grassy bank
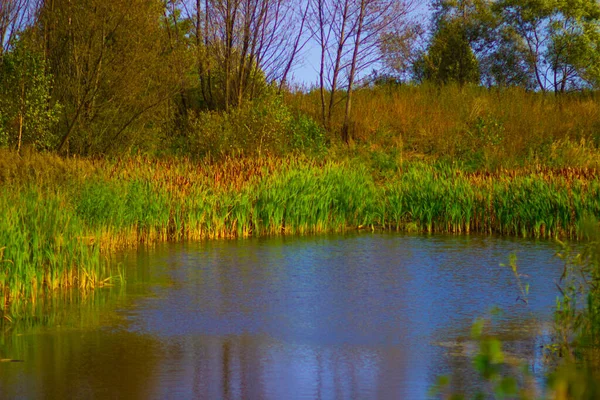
<point>58,217</point>
<point>482,128</point>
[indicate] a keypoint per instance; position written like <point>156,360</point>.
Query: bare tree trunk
<point>15,15</point>
<point>207,21</point>
<point>174,44</point>
<point>350,34</point>
<point>21,112</point>
<point>351,76</point>
<point>199,61</point>
<point>231,11</point>
<point>323,43</point>
<point>20,131</point>
<point>341,41</point>
<point>249,15</point>
<point>296,49</point>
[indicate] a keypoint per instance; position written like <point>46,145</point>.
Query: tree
<point>449,58</point>
<point>243,45</point>
<point>26,114</point>
<point>538,44</point>
<point>574,50</point>
<point>111,62</point>
<point>179,45</point>
<point>349,34</point>
<point>376,18</point>
<point>528,21</point>
<point>506,63</point>
<point>400,51</point>
<point>15,15</point>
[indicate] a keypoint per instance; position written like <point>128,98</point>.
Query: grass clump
<point>45,247</point>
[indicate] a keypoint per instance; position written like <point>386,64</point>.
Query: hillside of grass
<point>476,127</point>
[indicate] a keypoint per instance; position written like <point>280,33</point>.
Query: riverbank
<point>59,216</point>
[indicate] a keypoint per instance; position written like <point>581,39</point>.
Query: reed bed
<point>44,247</point>
<point>57,229</point>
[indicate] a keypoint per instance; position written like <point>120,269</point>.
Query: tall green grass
<point>45,247</point>
<point>55,232</point>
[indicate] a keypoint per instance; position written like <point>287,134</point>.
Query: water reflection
<point>364,316</point>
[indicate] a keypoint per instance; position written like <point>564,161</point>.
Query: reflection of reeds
<point>68,309</point>
<point>54,230</point>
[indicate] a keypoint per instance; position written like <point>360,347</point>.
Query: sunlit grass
<point>56,232</point>
<point>483,128</point>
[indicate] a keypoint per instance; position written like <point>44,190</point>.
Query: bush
<point>307,135</point>
<point>262,127</point>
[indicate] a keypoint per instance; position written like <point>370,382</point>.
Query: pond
<point>339,316</point>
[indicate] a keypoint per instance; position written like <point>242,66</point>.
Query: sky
<point>306,73</point>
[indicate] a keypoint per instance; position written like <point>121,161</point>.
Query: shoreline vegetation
<point>61,217</point>
<point>184,122</point>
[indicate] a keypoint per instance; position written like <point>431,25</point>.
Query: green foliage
<point>385,162</point>
<point>502,377</point>
<point>307,135</point>
<point>27,114</point>
<point>110,204</point>
<point>252,87</point>
<point>256,128</point>
<point>543,44</point>
<point>574,362</point>
<point>577,317</point>
<point>485,134</point>
<point>449,58</point>
<point>58,223</point>
<point>523,289</point>
<point>509,63</point>
<point>487,131</point>
<point>44,248</point>
<point>575,35</point>
<point>260,127</point>
<point>99,203</point>
<point>114,76</point>
<point>399,50</point>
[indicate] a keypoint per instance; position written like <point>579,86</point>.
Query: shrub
<point>307,135</point>
<point>261,127</point>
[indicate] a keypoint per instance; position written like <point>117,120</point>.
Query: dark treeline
<point>206,77</point>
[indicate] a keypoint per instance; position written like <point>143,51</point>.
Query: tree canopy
<point>97,76</point>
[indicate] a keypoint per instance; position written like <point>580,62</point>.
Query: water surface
<point>345,317</point>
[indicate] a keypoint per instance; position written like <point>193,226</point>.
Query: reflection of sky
<point>362,316</point>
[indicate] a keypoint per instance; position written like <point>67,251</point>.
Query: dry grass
<point>485,129</point>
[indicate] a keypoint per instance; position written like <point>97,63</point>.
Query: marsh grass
<point>57,228</point>
<point>44,248</point>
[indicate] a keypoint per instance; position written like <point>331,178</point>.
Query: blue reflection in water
<point>331,317</point>
<point>345,317</point>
